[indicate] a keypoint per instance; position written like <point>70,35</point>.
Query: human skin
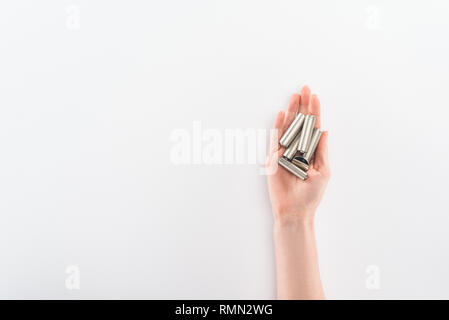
<point>294,203</point>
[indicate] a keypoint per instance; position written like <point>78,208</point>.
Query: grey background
<point>85,123</point>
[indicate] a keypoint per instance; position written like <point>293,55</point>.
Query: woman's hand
<point>294,203</point>
<point>292,199</point>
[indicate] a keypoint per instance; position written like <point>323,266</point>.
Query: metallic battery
<point>306,133</point>
<point>292,168</point>
<point>313,144</point>
<point>299,163</point>
<point>290,152</point>
<point>292,131</point>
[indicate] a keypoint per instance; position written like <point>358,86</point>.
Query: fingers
<point>292,109</point>
<point>304,106</point>
<point>321,162</point>
<point>315,110</point>
<point>276,132</point>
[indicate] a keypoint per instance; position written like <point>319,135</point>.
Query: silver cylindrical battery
<point>292,168</point>
<point>292,131</point>
<point>300,163</point>
<point>306,133</point>
<point>290,152</point>
<point>313,144</point>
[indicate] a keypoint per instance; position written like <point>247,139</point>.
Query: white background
<point>86,116</point>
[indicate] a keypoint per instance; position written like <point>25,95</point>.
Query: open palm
<point>291,197</point>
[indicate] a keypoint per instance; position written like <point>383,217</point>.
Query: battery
<point>316,135</point>
<point>291,151</point>
<point>306,133</point>
<point>299,162</point>
<point>292,168</point>
<point>290,134</point>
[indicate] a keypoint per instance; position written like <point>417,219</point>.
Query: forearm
<point>297,269</point>
<point>294,202</point>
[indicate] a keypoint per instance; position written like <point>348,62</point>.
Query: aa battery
<point>313,144</point>
<point>306,133</point>
<point>292,168</point>
<point>292,130</point>
<point>299,162</point>
<point>290,152</point>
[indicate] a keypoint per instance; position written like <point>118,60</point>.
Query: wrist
<point>292,221</point>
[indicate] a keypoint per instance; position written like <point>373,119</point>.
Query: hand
<point>292,199</point>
